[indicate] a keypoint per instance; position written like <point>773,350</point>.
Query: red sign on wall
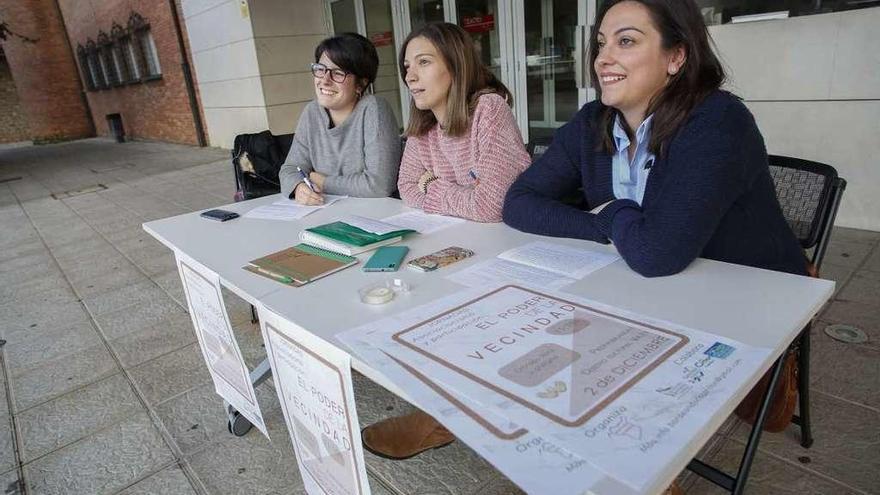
<point>381,39</point>
<point>478,23</point>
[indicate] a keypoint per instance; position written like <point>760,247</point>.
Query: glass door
<point>481,19</point>
<point>422,12</point>
<point>379,28</point>
<point>551,49</point>
<point>374,20</point>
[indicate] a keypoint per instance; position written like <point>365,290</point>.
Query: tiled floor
<point>103,390</point>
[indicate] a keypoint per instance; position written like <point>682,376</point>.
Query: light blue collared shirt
<point>629,177</point>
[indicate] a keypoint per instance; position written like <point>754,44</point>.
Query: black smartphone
<point>219,215</point>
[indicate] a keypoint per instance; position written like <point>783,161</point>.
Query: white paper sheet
<point>289,210</point>
<point>377,227</point>
<point>313,382</point>
<point>559,258</point>
<point>216,339</point>
<point>497,271</point>
<point>635,431</point>
<point>422,222</point>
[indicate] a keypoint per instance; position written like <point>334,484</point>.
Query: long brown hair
<point>470,79</point>
<point>680,25</point>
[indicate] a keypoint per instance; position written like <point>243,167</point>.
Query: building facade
<point>97,61</point>
<point>45,76</point>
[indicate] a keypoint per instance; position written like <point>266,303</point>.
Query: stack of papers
<point>541,264</point>
<point>562,394</point>
<point>289,210</point>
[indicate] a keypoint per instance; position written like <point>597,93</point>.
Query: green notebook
<point>348,239</point>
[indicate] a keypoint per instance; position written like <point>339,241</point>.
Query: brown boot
<point>674,489</point>
<point>405,436</point>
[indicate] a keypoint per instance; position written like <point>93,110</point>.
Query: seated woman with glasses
<point>464,148</point>
<point>346,142</point>
<point>677,166</point>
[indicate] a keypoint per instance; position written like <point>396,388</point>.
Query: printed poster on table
<point>313,381</point>
<point>533,349</point>
<point>624,392</point>
<point>217,341</point>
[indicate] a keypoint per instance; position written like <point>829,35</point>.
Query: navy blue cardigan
<point>711,196</point>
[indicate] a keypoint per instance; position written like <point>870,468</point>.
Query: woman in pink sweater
<point>463,148</point>
<point>463,151</point>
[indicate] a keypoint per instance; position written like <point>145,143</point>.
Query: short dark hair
<point>680,25</point>
<point>353,53</point>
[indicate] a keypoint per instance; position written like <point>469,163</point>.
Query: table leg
<point>737,485</point>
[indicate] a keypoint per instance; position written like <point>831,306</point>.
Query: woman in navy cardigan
<point>672,167</point>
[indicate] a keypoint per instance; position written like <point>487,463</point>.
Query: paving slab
<point>106,462</point>
<point>197,417</point>
<point>170,282</point>
<point>112,280</point>
<point>848,371</point>
<point>124,297</point>
<point>169,481</point>
<point>32,288</point>
<point>865,316</point>
<point>37,317</point>
<point>847,438</point>
<point>171,374</point>
<point>769,476</point>
<point>137,317</point>
<point>32,348</point>
<point>847,253</point>
<point>61,375</point>
<point>170,334</point>
<point>250,464</point>
<point>71,417</point>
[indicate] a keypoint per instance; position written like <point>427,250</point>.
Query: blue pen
<point>306,179</point>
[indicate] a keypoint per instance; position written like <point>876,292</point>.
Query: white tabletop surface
<point>757,307</point>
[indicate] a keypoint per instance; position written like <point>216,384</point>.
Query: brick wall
<point>157,109</point>
<point>13,122</point>
<point>45,75</point>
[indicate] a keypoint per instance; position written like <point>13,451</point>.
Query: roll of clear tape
<point>377,295</point>
<point>383,292</point>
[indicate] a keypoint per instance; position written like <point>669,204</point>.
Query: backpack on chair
<point>256,160</point>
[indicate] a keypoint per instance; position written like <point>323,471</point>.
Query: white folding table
<point>758,307</point>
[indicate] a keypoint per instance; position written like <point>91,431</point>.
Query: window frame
<point>84,68</point>
<point>95,66</point>
<point>143,45</point>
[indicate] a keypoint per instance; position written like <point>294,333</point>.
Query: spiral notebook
<point>342,237</point>
<point>300,264</point>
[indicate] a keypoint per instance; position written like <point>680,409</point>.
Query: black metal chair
<point>809,194</point>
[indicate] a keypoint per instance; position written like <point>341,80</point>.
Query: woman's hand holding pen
<point>304,195</point>
<point>307,192</point>
<point>317,179</point>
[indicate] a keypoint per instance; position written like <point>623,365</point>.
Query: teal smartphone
<point>386,259</point>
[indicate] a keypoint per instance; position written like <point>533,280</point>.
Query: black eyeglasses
<point>321,70</point>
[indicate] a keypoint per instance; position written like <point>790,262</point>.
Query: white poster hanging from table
<point>216,339</point>
<point>313,381</point>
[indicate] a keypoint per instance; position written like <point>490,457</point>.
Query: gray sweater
<point>360,157</point>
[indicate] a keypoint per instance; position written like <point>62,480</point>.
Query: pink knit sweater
<point>492,148</point>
